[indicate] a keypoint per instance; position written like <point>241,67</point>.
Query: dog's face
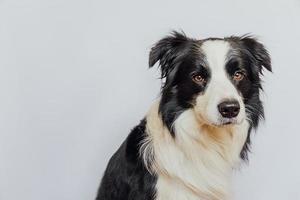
<point>218,78</point>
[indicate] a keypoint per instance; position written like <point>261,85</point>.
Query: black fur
<point>126,177</point>
<point>253,57</point>
<point>177,59</point>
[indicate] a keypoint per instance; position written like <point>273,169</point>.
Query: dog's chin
<point>229,122</point>
<point>219,122</point>
<point>223,122</point>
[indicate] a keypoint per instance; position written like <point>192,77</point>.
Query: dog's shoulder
<point>126,174</point>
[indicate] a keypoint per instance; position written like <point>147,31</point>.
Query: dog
<point>199,130</point>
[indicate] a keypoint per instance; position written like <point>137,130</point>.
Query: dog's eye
<point>238,75</point>
<point>198,79</point>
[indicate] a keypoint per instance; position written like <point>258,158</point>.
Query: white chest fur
<point>198,162</point>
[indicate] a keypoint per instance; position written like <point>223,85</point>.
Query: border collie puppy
<point>199,130</point>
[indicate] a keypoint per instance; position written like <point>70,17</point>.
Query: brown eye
<point>198,79</point>
<point>239,75</point>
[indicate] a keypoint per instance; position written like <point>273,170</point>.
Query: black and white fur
<point>185,148</point>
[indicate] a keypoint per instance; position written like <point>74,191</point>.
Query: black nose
<point>229,108</point>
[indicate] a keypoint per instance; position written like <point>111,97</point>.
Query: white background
<point>74,81</point>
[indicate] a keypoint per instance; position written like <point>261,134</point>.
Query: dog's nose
<point>229,108</point>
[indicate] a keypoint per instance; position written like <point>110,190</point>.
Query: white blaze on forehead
<point>215,52</point>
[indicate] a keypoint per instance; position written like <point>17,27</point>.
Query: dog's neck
<point>197,162</point>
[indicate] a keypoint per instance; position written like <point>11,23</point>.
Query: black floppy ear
<point>167,51</point>
<point>259,52</point>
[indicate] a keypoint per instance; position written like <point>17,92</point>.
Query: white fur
<point>197,163</point>
<point>219,87</point>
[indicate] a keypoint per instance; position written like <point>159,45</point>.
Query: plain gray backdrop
<point>74,80</point>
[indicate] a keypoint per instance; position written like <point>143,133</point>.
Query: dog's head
<point>219,78</point>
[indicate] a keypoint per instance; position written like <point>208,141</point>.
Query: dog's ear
<point>258,51</point>
<point>167,51</point>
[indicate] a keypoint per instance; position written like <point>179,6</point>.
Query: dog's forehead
<point>216,53</point>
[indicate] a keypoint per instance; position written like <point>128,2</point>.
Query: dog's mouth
<point>224,122</point>
<point>231,121</point>
<point>220,122</point>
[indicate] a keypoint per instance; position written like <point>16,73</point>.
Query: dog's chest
<point>191,172</point>
<point>197,163</point>
<point>172,190</point>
